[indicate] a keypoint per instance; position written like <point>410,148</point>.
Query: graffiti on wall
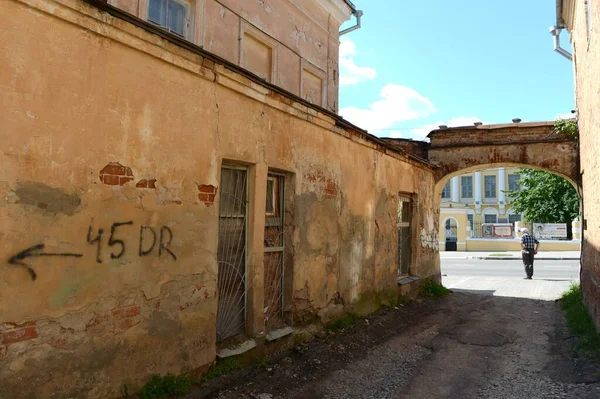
<point>151,240</point>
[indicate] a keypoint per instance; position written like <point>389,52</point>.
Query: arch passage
<point>529,145</point>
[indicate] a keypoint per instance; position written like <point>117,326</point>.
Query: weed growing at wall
<point>580,322</point>
<point>344,322</point>
<point>432,289</point>
<point>164,387</point>
<point>567,127</point>
<point>222,367</point>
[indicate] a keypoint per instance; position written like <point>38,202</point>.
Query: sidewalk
<point>510,255</point>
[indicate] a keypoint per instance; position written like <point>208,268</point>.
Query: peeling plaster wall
<point>535,145</point>
<point>113,141</point>
<point>305,44</point>
<point>586,45</point>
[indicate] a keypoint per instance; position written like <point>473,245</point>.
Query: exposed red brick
<point>207,189</point>
<point>13,326</point>
<point>146,183</point>
<point>203,197</point>
<point>115,168</point>
<point>22,334</point>
<point>185,306</point>
<point>115,174</point>
<point>157,304</point>
<point>96,321</point>
<point>129,311</point>
<point>110,180</point>
<point>206,294</point>
<point>211,198</point>
<point>126,323</point>
<point>123,180</point>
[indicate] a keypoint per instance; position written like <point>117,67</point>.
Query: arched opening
<point>451,233</point>
<point>478,198</point>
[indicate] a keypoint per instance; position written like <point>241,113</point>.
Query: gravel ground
<point>462,346</point>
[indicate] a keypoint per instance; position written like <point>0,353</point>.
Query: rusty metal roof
<point>493,126</point>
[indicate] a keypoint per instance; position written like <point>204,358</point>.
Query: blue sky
<point>417,64</point>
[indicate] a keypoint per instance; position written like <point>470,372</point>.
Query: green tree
<point>545,198</point>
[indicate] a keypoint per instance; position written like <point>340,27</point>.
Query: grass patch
<point>501,255</point>
<point>301,339</point>
<point>163,387</point>
<point>580,322</point>
<point>342,323</point>
<point>262,363</point>
<point>222,367</point>
<point>432,289</point>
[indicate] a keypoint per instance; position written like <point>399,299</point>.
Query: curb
<point>516,258</point>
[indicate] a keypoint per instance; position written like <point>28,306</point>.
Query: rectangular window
<point>470,219</point>
<point>170,15</point>
<point>403,227</point>
<point>490,186</point>
<point>446,191</point>
<point>490,218</point>
<point>513,182</point>
<point>271,205</point>
<point>514,218</point>
<point>466,183</point>
<point>274,250</point>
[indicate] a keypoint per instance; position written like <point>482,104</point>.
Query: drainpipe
<point>358,14</point>
<point>555,32</point>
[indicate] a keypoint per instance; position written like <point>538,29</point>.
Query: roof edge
<point>176,40</point>
<point>493,126</point>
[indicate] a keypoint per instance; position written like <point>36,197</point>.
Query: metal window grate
<point>231,309</point>
<point>274,251</point>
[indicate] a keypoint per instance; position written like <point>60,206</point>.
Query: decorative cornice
<point>340,10</point>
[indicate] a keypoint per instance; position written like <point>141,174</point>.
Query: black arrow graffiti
<point>35,251</point>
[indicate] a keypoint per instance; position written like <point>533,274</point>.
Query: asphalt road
<point>543,269</point>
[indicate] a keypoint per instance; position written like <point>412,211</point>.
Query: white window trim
<point>495,187</point>
<point>248,29</point>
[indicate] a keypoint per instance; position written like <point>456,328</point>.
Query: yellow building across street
<point>476,215</point>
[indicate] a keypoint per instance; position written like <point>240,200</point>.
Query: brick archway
<point>529,145</point>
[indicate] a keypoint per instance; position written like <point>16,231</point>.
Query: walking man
<point>529,248</point>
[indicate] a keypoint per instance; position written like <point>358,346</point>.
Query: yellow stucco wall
<point>501,245</point>
<point>109,131</point>
<point>300,55</point>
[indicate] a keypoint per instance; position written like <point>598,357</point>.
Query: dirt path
<point>462,346</point>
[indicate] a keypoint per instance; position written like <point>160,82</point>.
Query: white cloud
<point>350,73</point>
<point>422,132</point>
<point>397,104</point>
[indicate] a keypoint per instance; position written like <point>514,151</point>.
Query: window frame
<point>516,182</point>
<point>493,188</point>
<point>186,22</point>
<point>463,186</point>
<point>448,194</point>
<point>490,214</point>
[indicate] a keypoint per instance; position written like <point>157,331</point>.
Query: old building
<point>476,214</point>
<point>581,18</point>
<point>175,179</point>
